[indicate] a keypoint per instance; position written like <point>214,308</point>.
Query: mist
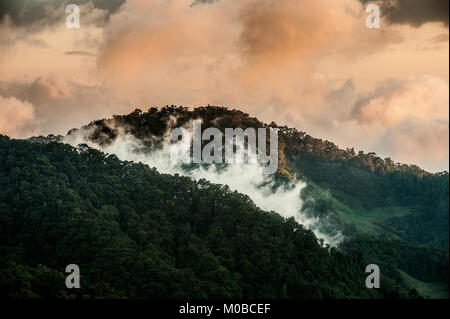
<point>245,178</point>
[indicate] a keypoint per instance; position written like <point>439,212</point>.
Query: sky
<point>308,64</point>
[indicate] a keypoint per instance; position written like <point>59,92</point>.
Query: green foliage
<point>362,182</point>
<point>364,192</point>
<point>351,193</point>
<point>424,263</point>
<point>423,268</point>
<point>137,233</point>
<point>432,290</point>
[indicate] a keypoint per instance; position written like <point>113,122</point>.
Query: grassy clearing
<point>429,290</point>
<point>382,214</point>
<point>373,222</point>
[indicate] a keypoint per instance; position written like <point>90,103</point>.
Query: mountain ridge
<point>361,195</point>
<point>137,233</point>
<point>298,141</point>
<point>361,181</point>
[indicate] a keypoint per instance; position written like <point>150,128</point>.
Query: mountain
<point>362,191</point>
<point>137,233</point>
<point>391,214</point>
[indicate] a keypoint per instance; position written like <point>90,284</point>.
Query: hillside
<point>356,194</point>
<point>373,194</point>
<point>137,233</point>
<point>388,213</point>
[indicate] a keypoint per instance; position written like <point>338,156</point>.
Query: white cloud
<point>15,115</point>
<point>244,178</point>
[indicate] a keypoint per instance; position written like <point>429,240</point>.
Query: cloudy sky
<point>309,64</point>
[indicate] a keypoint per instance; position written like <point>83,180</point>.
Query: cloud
<point>15,115</point>
<point>272,60</point>
<point>294,31</point>
<point>441,38</point>
<point>311,64</point>
<point>36,24</point>
<point>417,141</point>
<point>393,101</point>
<point>406,120</point>
<point>83,53</point>
<point>60,104</point>
<point>25,13</point>
<point>254,33</point>
<point>414,12</point>
<point>251,52</point>
<point>245,178</point>
<point>36,14</point>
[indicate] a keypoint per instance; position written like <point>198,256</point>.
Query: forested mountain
<point>137,233</point>
<point>140,233</point>
<point>413,205</point>
<point>357,193</point>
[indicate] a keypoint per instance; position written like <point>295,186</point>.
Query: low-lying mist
<point>245,178</point>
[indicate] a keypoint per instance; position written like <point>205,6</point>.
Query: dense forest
<point>361,182</point>
<point>137,233</point>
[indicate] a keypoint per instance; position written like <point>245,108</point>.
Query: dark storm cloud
<point>31,12</point>
<point>413,12</point>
